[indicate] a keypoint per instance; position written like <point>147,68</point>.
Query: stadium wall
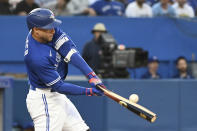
<point>166,38</point>
<point>174,101</point>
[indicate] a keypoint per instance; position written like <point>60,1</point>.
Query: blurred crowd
<point>128,8</point>
<point>181,66</point>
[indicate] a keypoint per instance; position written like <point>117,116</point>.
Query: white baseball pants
<point>52,111</point>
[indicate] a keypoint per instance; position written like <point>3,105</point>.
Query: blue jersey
<point>45,66</point>
<point>108,8</point>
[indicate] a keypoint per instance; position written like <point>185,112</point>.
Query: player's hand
<point>93,92</point>
<point>94,80</point>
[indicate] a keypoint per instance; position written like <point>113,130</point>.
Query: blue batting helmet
<point>42,18</point>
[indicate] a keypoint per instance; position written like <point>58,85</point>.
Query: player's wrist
<point>93,92</point>
<point>91,75</point>
<point>95,81</point>
<point>93,78</point>
<point>89,92</point>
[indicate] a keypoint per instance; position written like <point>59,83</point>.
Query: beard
<point>46,39</point>
<point>183,70</point>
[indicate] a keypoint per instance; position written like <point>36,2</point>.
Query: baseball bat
<point>131,106</point>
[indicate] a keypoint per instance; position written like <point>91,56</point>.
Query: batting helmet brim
<point>56,23</point>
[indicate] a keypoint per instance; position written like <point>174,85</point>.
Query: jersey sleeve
<point>67,49</point>
<point>64,45</point>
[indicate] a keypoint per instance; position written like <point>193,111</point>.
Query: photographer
<point>92,48</point>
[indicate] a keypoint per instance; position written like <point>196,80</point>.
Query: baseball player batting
<point>48,51</point>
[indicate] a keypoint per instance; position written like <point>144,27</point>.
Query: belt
<point>35,88</point>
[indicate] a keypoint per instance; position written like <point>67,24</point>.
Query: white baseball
<point>134,98</point>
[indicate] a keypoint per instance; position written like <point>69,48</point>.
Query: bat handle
<point>101,88</point>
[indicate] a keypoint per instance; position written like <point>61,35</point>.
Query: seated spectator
<point>163,8</point>
<point>67,7</point>
<point>181,65</point>
<point>77,6</point>
<point>152,73</point>
<point>60,8</point>
<point>138,8</point>
<point>149,2</point>
<point>5,7</point>
<point>92,48</point>
<point>182,9</point>
<point>24,7</point>
<point>105,8</point>
<point>13,3</point>
<point>45,3</point>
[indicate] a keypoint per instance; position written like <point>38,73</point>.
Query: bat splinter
<point>136,108</point>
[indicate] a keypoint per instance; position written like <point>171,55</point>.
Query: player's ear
<point>35,30</point>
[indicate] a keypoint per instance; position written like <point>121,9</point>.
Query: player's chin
<point>50,38</point>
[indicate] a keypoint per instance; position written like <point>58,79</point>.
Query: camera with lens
<point>114,61</point>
